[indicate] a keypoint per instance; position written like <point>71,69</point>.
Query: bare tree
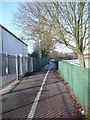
<point>65,23</point>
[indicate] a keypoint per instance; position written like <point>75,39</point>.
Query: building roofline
<point>13,34</point>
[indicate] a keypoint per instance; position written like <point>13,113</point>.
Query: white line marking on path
<point>34,106</point>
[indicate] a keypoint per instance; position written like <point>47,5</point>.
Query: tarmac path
<point>39,96</point>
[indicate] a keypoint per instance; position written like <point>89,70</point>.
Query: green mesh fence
<point>38,63</point>
<point>79,80</point>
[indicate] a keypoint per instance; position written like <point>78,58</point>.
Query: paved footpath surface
<point>42,95</point>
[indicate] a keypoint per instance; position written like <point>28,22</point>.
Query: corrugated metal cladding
<point>10,44</point>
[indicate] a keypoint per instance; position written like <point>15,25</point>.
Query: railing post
<point>26,62</point>
<point>21,71</point>
<point>16,66</point>
<point>7,68</point>
<point>31,64</point>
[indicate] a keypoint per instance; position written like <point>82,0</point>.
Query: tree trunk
<point>81,60</point>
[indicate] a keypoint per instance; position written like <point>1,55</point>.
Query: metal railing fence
<point>14,67</point>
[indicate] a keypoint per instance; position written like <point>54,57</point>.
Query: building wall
<point>0,39</point>
<point>12,45</point>
<point>13,56</point>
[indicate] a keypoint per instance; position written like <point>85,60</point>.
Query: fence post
<point>16,66</point>
<point>7,68</point>
<point>31,70</point>
<point>21,71</point>
<point>26,64</point>
<point>28,60</point>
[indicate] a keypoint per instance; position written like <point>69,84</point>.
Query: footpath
<point>55,100</point>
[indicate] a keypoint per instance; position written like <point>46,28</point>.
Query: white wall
<point>12,46</point>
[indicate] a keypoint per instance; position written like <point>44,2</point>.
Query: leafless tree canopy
<point>65,23</point>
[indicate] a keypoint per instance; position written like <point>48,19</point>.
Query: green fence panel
<point>89,90</point>
<point>38,63</point>
<point>79,80</point>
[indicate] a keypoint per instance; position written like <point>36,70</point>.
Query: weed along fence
<point>14,67</point>
<point>79,80</point>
